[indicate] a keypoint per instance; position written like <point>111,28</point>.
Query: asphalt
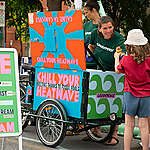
<point>31,142</point>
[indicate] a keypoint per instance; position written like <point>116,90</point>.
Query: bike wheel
<point>106,133</point>
<point>51,132</point>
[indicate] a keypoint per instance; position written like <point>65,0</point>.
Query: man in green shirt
<point>103,44</point>
<point>104,41</point>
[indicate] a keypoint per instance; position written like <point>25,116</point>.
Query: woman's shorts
<point>133,106</point>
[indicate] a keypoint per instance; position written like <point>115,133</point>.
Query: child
<point>136,66</point>
<point>149,130</point>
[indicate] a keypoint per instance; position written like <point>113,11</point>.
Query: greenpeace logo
<point>87,33</point>
<point>105,48</point>
<point>105,95</point>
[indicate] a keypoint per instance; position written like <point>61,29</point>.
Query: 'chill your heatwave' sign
<point>59,84</point>
<point>9,97</point>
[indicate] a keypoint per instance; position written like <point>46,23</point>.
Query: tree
<point>17,16</point>
<point>129,14</point>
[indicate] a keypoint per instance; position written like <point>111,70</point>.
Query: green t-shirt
<point>88,28</point>
<point>105,49</point>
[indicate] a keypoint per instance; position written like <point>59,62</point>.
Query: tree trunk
<point>21,49</point>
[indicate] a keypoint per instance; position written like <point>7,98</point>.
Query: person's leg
<point>114,139</point>
<point>97,131</point>
<point>115,131</point>
<point>128,131</point>
<point>144,129</point>
<point>149,130</point>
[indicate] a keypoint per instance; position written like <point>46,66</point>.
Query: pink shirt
<point>137,76</point>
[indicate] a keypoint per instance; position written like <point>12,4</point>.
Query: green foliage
<point>129,14</point>
<point>17,16</point>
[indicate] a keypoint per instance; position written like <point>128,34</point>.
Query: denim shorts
<point>136,106</point>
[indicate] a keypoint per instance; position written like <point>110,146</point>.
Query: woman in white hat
<point>136,66</point>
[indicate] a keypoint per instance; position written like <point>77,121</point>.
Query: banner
<point>10,109</point>
<point>59,84</point>
<point>57,39</point>
<point>105,94</point>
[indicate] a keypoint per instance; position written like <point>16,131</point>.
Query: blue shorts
<point>133,106</point>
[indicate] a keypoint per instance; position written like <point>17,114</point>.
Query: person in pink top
<point>136,102</point>
<point>149,130</point>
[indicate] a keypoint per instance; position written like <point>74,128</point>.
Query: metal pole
<point>20,142</point>
<point>5,26</point>
<point>2,143</point>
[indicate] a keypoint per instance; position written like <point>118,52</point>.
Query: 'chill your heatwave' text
<point>58,86</point>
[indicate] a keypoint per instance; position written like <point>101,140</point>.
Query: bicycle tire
<point>50,132</point>
<point>105,136</point>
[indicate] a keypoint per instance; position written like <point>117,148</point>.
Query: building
<point>11,41</point>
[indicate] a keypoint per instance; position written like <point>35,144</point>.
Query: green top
<point>105,49</point>
<point>88,27</point>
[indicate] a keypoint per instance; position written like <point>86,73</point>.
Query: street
<point>31,142</point>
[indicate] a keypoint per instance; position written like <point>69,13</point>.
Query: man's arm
<point>44,5</point>
<point>116,56</point>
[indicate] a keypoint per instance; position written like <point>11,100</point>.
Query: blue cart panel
<point>62,85</point>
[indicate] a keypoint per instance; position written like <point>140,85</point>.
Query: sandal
<point>97,134</point>
<point>76,133</point>
<point>69,133</point>
<point>86,138</point>
<point>110,140</point>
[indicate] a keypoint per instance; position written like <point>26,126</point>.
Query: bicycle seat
<point>28,67</point>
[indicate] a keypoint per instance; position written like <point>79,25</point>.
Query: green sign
<point>10,109</point>
<point>105,94</point>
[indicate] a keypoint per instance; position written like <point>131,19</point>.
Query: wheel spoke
<point>50,132</point>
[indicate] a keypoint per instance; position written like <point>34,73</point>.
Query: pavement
<point>31,142</point>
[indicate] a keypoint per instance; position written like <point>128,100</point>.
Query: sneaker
<point>142,145</point>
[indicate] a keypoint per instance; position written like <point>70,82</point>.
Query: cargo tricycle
<point>63,95</point>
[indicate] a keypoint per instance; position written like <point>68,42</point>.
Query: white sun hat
<point>136,37</point>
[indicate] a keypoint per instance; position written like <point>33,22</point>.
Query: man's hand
<point>91,47</point>
<point>116,56</point>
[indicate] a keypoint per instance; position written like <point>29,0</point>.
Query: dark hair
<point>92,0</point>
<point>92,4</point>
<point>105,19</point>
<point>67,2</point>
<point>140,51</point>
